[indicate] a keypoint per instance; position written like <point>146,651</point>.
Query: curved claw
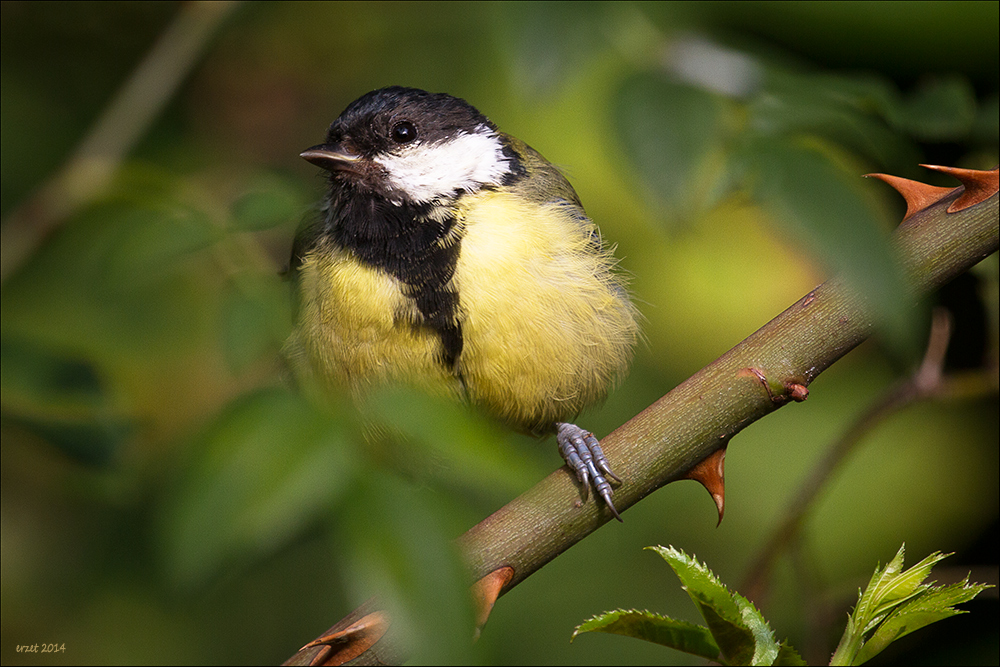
<point>583,454</point>
<point>599,459</point>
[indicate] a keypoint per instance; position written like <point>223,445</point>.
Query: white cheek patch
<point>466,162</point>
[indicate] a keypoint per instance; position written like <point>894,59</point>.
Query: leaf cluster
<point>895,603</point>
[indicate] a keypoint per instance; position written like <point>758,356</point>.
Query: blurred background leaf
<point>674,133</point>
<point>266,468</point>
<point>167,497</point>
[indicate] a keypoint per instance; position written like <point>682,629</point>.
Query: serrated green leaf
<point>868,600</point>
<point>902,586</point>
<point>938,597</point>
<point>929,606</point>
<point>897,626</point>
<point>766,647</point>
<point>738,628</point>
<point>788,656</point>
<point>892,587</point>
<point>736,641</point>
<point>663,630</point>
<point>894,604</point>
<point>701,584</point>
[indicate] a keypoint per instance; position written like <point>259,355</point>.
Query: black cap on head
<point>387,118</point>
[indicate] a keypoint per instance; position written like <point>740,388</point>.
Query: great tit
<point>454,256</point>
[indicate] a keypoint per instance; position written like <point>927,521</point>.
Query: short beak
<point>331,157</point>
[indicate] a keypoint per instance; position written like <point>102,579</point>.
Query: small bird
<point>451,255</point>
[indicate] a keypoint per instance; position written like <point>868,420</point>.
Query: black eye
<point>404,132</point>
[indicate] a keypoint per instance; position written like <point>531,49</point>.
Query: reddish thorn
<point>979,185</point>
<point>486,591</point>
<point>918,195</point>
<point>710,472</point>
<point>351,642</point>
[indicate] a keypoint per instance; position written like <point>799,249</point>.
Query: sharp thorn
<point>486,591</point>
<point>979,184</point>
<point>352,641</point>
<point>918,195</point>
<point>710,472</point>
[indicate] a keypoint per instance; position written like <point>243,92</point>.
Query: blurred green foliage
<point>168,497</point>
